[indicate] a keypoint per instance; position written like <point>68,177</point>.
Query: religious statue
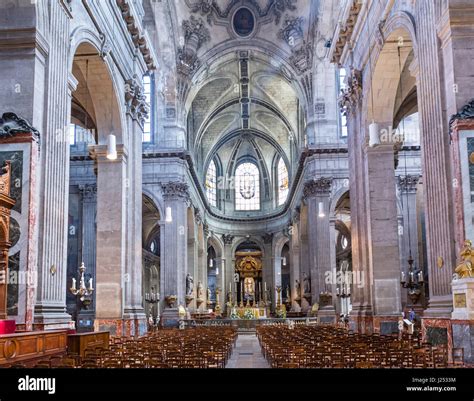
<point>199,291</point>
<point>189,284</point>
<point>466,268</point>
<point>306,284</point>
<point>298,289</point>
<point>208,294</point>
<point>150,320</point>
<point>288,292</point>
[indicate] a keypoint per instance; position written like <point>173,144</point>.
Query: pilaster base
<point>170,318</point>
<point>52,318</point>
<point>327,315</point>
<point>122,327</point>
<point>361,319</point>
<point>439,307</point>
<point>386,325</point>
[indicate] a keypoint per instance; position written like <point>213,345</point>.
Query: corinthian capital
<point>350,96</point>
<point>175,190</point>
<point>321,186</point>
<point>408,183</point>
<point>135,100</point>
<point>88,191</point>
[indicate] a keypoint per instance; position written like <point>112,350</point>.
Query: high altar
<point>250,295</point>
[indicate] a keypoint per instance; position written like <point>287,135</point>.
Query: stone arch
<point>385,79</point>
<point>102,86</point>
<point>255,239</point>
<point>338,195</point>
<point>217,244</point>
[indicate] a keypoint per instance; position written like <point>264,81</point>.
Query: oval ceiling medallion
<point>244,22</point>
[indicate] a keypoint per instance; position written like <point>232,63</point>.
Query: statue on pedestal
<point>466,268</point>
<point>298,290</point>
<point>306,284</point>
<point>199,291</point>
<point>189,284</point>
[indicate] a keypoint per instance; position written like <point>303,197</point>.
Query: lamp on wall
<point>321,212</point>
<point>111,147</point>
<point>168,215</point>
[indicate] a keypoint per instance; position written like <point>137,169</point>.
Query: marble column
<point>201,274</point>
<point>89,210</point>
<point>436,168</point>
<point>295,256</point>
<point>333,263</point>
<point>228,267</point>
<point>111,238</point>
<point>174,256</point>
<point>267,266</point>
<point>316,192</point>
<point>193,256</point>
<point>133,309</point>
<point>382,224</point>
<point>361,295</point>
<point>50,308</point>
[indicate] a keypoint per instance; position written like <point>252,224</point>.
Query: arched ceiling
<point>231,100</point>
<point>239,75</point>
<point>245,83</point>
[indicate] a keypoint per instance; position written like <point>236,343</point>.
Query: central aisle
<point>247,354</point>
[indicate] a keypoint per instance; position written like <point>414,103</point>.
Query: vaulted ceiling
<point>245,100</point>
<point>244,71</point>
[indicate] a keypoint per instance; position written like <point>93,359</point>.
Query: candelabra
<point>82,292</point>
<point>152,297</point>
<point>415,281</point>
<point>344,291</point>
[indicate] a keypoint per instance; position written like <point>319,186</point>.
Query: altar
<point>249,292</point>
<point>255,312</point>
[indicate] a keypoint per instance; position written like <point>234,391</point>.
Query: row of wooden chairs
<point>303,346</point>
<point>199,347</point>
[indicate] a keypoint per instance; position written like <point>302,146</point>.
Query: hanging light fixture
<point>284,261</point>
<point>211,263</point>
<point>374,138</point>
<point>413,281</point>
<point>112,147</point>
<point>168,217</point>
<point>321,212</point>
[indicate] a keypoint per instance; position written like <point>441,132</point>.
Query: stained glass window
<point>211,188</point>
<point>283,186</point>
<point>247,187</point>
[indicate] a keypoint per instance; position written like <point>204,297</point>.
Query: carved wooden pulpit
<point>6,203</point>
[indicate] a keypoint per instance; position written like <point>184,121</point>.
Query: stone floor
<point>247,354</point>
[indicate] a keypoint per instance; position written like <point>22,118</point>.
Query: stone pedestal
<point>170,318</point>
<point>463,299</point>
